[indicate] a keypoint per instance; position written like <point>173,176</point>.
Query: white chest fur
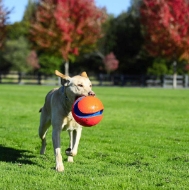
<point>69,123</point>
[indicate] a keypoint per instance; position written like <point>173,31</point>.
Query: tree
<point>134,9</point>
<point>110,62</point>
<point>158,68</point>
<point>66,27</point>
<point>32,60</point>
<point>17,29</point>
<point>51,60</point>
<point>108,41</point>
<point>3,21</point>
<point>166,29</point>
<point>126,42</point>
<point>15,54</point>
<point>30,10</point>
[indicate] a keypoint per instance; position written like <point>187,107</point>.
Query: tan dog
<point>57,111</point>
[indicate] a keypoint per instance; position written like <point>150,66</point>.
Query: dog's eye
<point>90,85</point>
<point>80,85</point>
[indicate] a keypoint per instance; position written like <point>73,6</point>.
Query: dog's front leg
<point>57,150</point>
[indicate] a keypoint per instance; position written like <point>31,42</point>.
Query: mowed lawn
<point>141,143</point>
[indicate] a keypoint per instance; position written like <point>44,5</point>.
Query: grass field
<point>141,143</point>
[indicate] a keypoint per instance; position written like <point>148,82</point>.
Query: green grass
<point>141,143</point>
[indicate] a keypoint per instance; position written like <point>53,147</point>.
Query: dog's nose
<point>91,93</point>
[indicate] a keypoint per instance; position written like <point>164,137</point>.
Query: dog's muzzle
<point>91,93</point>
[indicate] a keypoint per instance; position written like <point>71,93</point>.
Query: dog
<point>57,112</point>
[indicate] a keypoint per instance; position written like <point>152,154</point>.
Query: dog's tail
<point>40,110</point>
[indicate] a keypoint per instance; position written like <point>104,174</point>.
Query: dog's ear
<point>59,74</point>
<point>84,74</point>
<point>65,80</point>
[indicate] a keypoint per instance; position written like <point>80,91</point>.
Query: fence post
<point>175,80</point>
<point>185,81</point>
<point>163,81</point>
<point>39,78</point>
<point>143,81</point>
<point>122,80</point>
<point>19,77</point>
<point>100,79</point>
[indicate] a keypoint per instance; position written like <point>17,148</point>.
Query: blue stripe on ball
<point>85,115</point>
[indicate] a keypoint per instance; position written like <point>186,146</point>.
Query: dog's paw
<point>60,167</point>
<point>70,152</point>
<point>70,159</point>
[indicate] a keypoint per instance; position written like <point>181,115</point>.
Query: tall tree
<point>166,29</point>
<point>30,10</point>
<point>67,26</point>
<point>15,54</point>
<point>3,21</point>
<point>128,43</point>
<point>17,29</point>
<point>134,9</point>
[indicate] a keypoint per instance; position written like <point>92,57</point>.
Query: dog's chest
<point>69,123</point>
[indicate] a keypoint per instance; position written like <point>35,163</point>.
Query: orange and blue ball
<point>87,111</point>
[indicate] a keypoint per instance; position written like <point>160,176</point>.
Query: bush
<point>49,63</point>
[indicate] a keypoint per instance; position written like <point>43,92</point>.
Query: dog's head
<point>76,86</point>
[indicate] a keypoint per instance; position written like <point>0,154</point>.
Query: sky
<point>112,6</point>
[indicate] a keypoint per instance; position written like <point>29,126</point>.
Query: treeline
<point>52,34</point>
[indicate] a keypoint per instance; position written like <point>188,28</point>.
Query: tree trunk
<point>174,74</point>
<point>66,66</point>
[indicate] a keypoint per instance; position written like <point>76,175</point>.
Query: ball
<point>87,111</point>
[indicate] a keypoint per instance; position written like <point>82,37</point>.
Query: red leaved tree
<point>32,60</point>
<point>67,26</point>
<point>110,62</point>
<point>166,28</point>
<point>3,18</point>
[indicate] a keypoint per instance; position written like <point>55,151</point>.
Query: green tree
<point>3,21</point>
<point>15,54</point>
<point>159,67</point>
<point>126,42</point>
<point>31,8</point>
<point>108,41</point>
<point>22,28</point>
<point>48,63</point>
<point>134,9</point>
<point>17,29</point>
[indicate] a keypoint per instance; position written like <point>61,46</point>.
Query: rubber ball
<point>87,111</point>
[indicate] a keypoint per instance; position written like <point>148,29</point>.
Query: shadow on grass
<point>13,155</point>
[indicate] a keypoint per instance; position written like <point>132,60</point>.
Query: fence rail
<point>165,81</point>
<point>22,78</point>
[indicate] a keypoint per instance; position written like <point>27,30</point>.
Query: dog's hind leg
<point>75,136</point>
<point>76,139</point>
<point>68,150</point>
<point>42,134</point>
<point>43,128</point>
